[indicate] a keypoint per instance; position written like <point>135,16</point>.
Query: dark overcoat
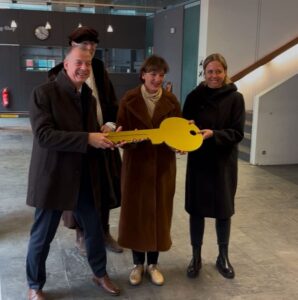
<point>109,108</point>
<point>211,176</point>
<point>148,176</point>
<point>59,144</point>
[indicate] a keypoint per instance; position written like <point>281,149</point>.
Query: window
<point>40,59</point>
<point>121,60</point>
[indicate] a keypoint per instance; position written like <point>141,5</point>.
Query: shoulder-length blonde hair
<point>217,57</point>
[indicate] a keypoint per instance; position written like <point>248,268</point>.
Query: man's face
<point>78,65</point>
<point>90,46</point>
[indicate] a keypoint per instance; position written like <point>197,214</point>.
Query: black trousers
<point>139,257</point>
<point>197,226</point>
<point>44,229</point>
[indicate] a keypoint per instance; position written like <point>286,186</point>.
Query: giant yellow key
<point>177,133</point>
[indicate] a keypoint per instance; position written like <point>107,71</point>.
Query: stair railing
<point>264,60</point>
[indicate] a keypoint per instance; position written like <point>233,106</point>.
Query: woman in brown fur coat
<point>148,173</point>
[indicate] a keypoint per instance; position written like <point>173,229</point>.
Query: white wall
<point>275,125</point>
<point>232,31</point>
<point>246,30</point>
<point>278,24</point>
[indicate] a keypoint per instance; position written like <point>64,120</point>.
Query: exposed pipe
<point>123,6</point>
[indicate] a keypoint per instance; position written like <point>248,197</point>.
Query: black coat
<point>60,143</point>
<point>109,107</point>
<point>211,176</point>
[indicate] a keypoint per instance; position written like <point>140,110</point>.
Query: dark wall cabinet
<point>25,58</point>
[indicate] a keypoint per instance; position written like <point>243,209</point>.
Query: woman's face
<point>214,75</point>
<point>153,80</point>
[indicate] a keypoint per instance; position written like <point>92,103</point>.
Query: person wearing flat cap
<point>106,109</point>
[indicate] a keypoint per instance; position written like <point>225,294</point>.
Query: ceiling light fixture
<point>13,24</point>
<point>110,28</point>
<point>48,25</point>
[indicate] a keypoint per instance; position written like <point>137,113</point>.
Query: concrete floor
<point>263,250</point>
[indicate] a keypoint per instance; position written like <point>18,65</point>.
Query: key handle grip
<point>180,134</point>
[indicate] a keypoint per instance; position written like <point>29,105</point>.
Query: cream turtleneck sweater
<point>151,99</point>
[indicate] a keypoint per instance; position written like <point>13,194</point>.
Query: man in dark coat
<point>106,108</point>
<point>67,170</point>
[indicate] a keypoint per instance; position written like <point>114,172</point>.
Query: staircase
<point>244,146</point>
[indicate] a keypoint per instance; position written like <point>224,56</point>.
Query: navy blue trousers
<point>44,229</point>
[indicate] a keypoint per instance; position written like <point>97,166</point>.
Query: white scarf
<point>151,99</point>
<point>91,83</point>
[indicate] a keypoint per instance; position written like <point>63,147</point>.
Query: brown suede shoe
<point>36,295</point>
<point>108,286</point>
<point>111,244</point>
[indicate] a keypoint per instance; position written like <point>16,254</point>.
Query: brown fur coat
<point>148,176</point>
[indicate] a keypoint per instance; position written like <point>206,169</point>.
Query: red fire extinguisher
<point>5,97</point>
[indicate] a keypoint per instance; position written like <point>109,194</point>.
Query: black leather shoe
<point>224,267</point>
<point>194,267</point>
<point>108,286</point>
<point>36,295</point>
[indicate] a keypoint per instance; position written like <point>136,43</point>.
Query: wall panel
<point>129,33</point>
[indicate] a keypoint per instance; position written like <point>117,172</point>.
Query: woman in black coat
<point>211,178</point>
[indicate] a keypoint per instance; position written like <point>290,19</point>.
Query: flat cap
<point>83,34</point>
